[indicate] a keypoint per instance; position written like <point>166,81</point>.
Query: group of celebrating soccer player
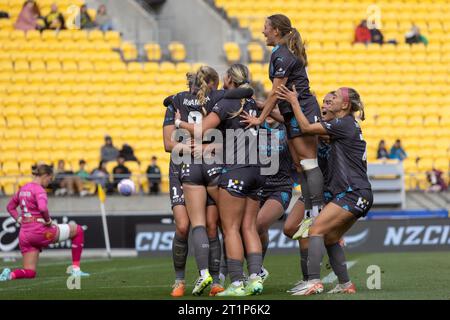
<point>322,150</point>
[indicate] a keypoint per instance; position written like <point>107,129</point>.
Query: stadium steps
<point>428,201</point>
<point>136,24</point>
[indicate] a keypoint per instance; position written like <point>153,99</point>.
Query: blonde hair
<point>290,36</point>
<point>240,76</point>
<point>203,78</point>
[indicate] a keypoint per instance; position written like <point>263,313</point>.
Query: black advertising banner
<point>365,236</point>
<point>122,230</point>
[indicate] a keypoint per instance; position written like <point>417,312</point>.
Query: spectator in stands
<point>414,36</point>
<point>362,33</point>
<point>437,183</point>
<point>397,151</point>
<point>120,172</point>
<point>382,151</point>
<point>29,17</point>
<point>100,176</point>
<point>82,173</point>
<point>4,15</point>
<point>376,36</point>
<point>66,182</point>
<point>103,20</point>
<point>154,176</point>
<point>55,20</point>
<point>85,19</point>
<point>108,152</point>
<point>127,153</point>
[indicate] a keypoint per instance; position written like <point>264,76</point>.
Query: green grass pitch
<point>404,276</point>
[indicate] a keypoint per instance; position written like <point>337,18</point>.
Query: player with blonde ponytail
<point>287,66</point>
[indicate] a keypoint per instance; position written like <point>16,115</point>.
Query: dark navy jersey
<point>347,163</point>
<point>169,119</point>
<point>240,146</point>
<point>284,64</point>
<point>283,177</point>
<point>191,110</point>
<point>323,154</point>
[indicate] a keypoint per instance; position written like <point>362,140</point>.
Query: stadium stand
<point>60,93</point>
<point>404,88</point>
<point>54,86</point>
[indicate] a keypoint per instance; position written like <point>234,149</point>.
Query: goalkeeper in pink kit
<point>37,230</point>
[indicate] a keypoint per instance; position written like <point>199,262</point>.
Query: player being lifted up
<point>287,66</point>
<point>36,228</point>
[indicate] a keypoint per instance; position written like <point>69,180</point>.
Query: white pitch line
<point>330,278</point>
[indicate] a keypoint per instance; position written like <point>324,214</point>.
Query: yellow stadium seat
<point>95,35</point>
<point>10,168</point>
<point>129,50</point>
<point>153,51</point>
<point>256,52</point>
<point>177,51</point>
<point>113,38</point>
<point>232,52</point>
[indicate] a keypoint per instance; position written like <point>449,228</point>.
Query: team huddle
<point>321,149</point>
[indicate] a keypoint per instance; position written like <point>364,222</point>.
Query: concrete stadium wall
<point>201,29</point>
<point>136,24</point>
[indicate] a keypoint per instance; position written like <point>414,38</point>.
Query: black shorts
<point>242,182</point>
<point>327,196</point>
<point>176,190</point>
<point>201,174</point>
<point>311,110</point>
<point>283,196</point>
<point>357,202</point>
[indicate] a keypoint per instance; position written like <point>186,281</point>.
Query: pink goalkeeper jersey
<point>32,200</point>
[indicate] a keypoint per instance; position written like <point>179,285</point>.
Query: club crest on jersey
<point>235,184</point>
<point>362,203</point>
<point>214,171</point>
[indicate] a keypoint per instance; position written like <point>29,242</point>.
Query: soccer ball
<point>126,187</point>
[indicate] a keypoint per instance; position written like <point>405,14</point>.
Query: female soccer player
<point>297,214</point>
<point>350,188</point>
<point>37,230</point>
<point>288,66</point>
<point>199,178</point>
<point>180,242</point>
<point>238,185</point>
<point>276,193</point>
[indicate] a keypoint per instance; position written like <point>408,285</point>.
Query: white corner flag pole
<point>102,198</point>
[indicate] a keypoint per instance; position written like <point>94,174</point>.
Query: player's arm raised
<point>211,121</point>
<point>284,93</point>
<point>269,104</point>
